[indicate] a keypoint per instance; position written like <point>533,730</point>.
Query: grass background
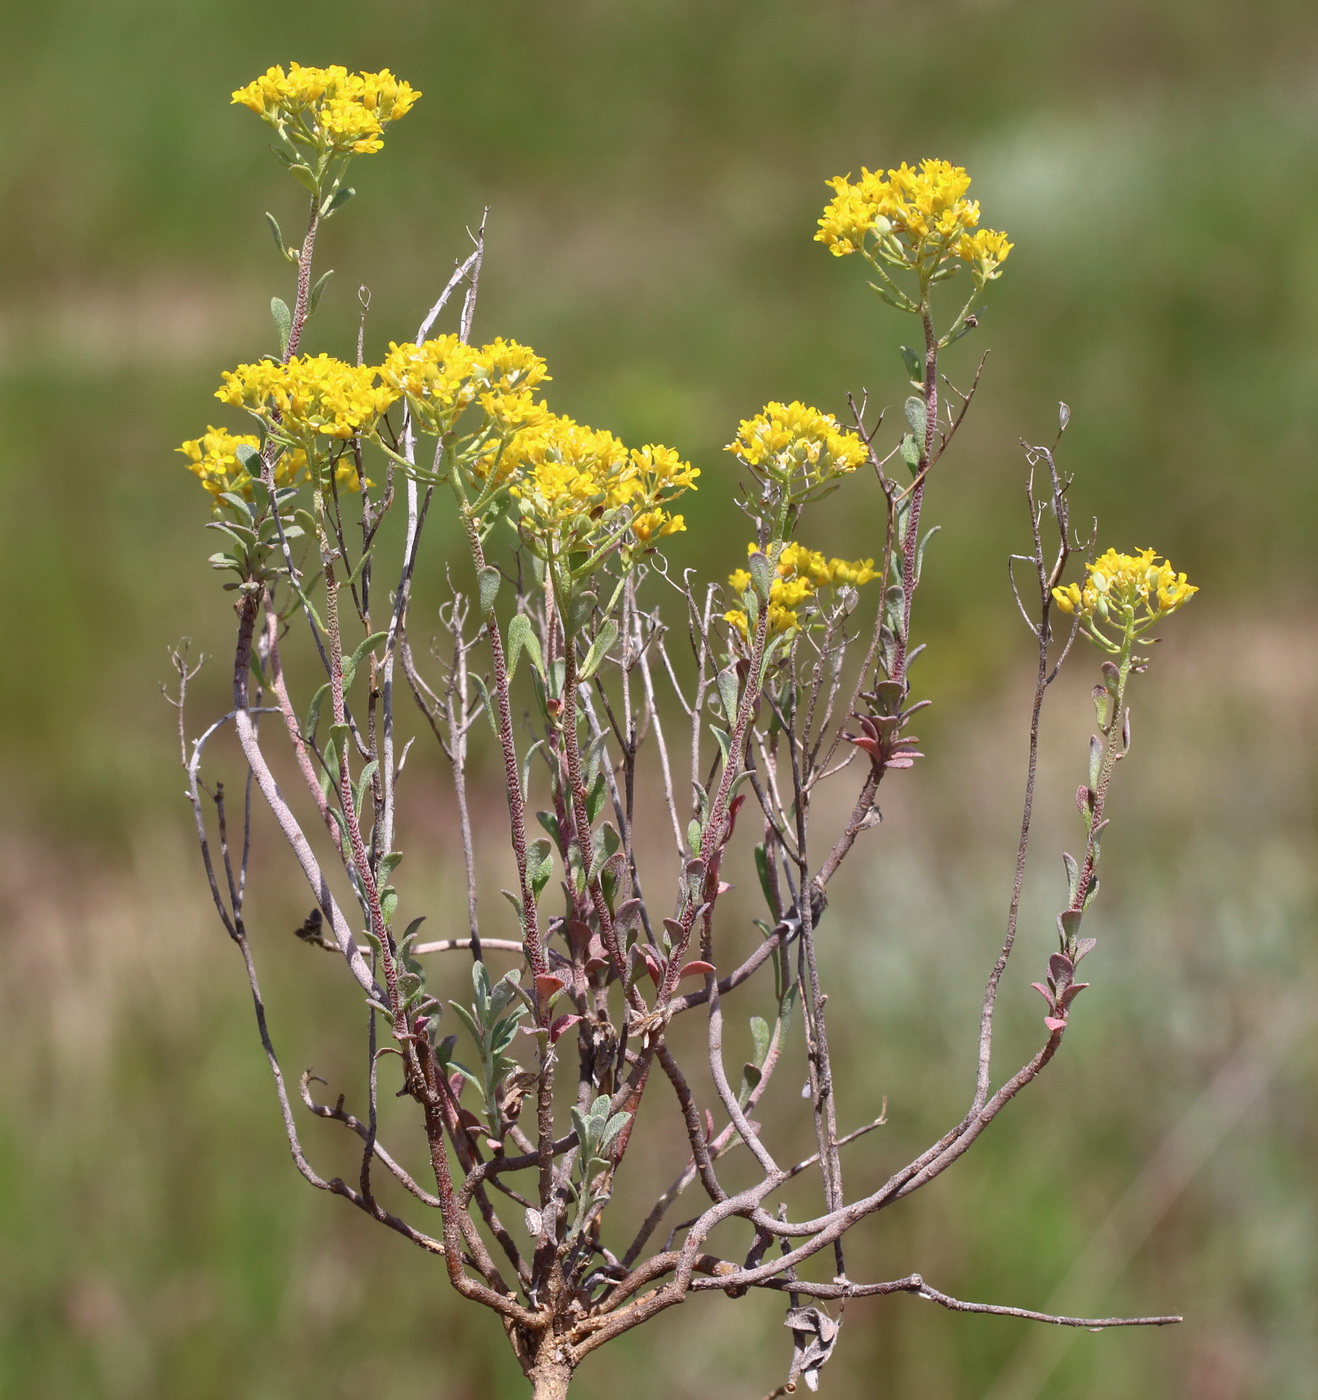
<point>653,171</point>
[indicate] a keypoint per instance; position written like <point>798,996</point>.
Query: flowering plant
<point>529,1075</point>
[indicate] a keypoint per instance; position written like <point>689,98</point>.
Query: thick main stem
<point>550,1380</point>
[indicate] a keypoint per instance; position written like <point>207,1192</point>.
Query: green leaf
<point>340,737</point>
<point>914,363</point>
<point>516,902</point>
<point>599,648</point>
<point>239,533</point>
<point>916,416</point>
<point>521,636</point>
<point>388,904</point>
<point>313,712</point>
<point>969,324</point>
<point>318,291</point>
<point>724,741</point>
<point>760,1035</point>
<point>596,797</point>
<point>351,664</point>
<point>595,756</point>
<point>762,870</point>
<point>275,233</point>
<point>539,864</point>
<point>580,609</point>
<point>612,1128</point>
<point>329,773</point>
<point>249,459</point>
<point>924,544</point>
<point>484,693</point>
<point>750,1078</point>
<point>283,321</point>
<point>410,933</point>
<point>469,1021</point>
<point>363,782</point>
<point>1072,876</point>
<point>728,691</point>
<point>305,176</point>
<point>336,201</point>
<point>605,837</point>
<point>488,581</point>
<point>911,452</point>
<point>762,575</point>
<point>480,985</point>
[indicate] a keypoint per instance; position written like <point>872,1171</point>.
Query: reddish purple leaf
<point>560,1025</point>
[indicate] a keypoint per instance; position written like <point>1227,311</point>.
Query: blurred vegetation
<point>653,171</point>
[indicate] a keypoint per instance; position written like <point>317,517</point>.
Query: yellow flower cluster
<point>787,439</point>
<point>329,109</point>
<point>213,459</point>
<point>579,486</point>
<point>1128,592</point>
<point>441,378</point>
<point>912,216</point>
<point>801,572</point>
<point>311,396</point>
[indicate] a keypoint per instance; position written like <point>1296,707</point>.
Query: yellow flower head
<point>436,379</point>
<point>653,525</point>
<point>512,422</point>
<point>441,378</point>
<point>910,217</point>
<point>311,396</point>
<point>504,366</point>
<point>800,573</point>
<point>1124,592</point>
<point>566,474</point>
<point>794,440</point>
<point>213,459</point>
<point>581,487</point>
<point>329,110</point>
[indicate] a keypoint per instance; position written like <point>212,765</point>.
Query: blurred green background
<point>653,170</point>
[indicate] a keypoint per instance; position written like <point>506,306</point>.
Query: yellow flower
<point>799,574</point>
<point>655,524</point>
<point>910,215</point>
<point>986,250</point>
<point>328,109</point>
<point>851,574</point>
<point>310,396</point>
<point>565,474</point>
<point>441,378</point>
<point>504,365</point>
<point>213,459</point>
<point>436,378</point>
<point>781,619</point>
<point>790,439</point>
<point>580,486</point>
<point>1127,592</point>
